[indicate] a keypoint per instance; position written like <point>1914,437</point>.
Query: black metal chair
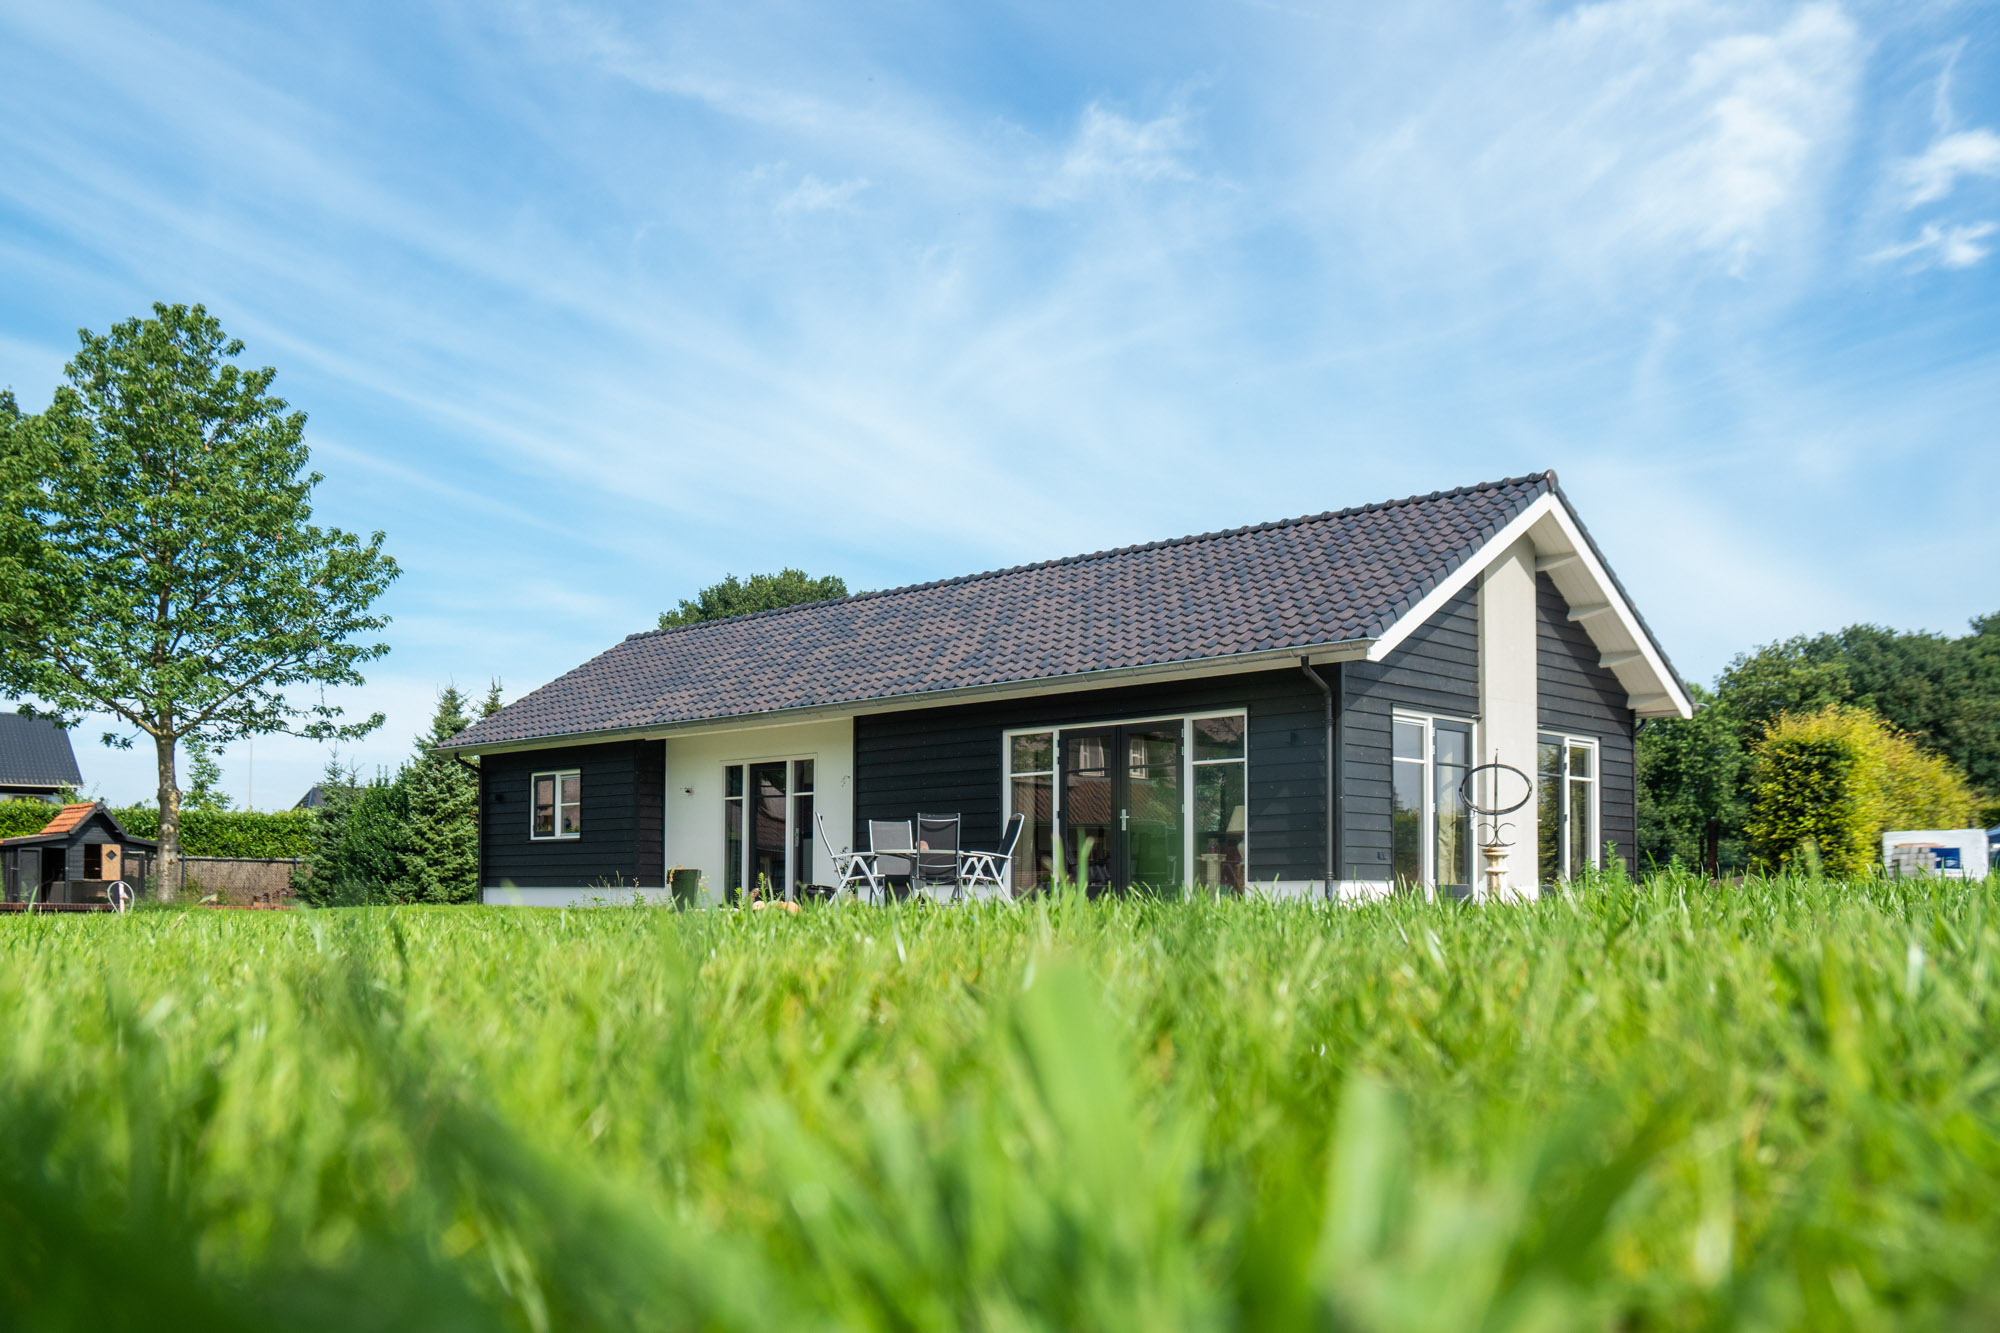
<point>937,854</point>
<point>892,847</point>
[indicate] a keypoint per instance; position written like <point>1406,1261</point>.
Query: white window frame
<point>1427,831</point>
<point>555,833</point>
<point>1188,764</point>
<point>1596,781</point>
<point>792,793</point>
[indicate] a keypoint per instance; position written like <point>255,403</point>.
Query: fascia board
<point>1454,583</point>
<point>1268,659</point>
<point>1607,589</point>
<point>1548,506</point>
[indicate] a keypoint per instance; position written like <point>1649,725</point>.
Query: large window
<point>556,805</point>
<point>1219,815</point>
<point>767,828</point>
<point>1031,793</point>
<point>1430,826</point>
<point>1157,802</point>
<point>1566,807</point>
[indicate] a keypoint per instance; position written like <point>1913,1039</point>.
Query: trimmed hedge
<point>272,833</point>
<point>228,832</point>
<point>18,818</point>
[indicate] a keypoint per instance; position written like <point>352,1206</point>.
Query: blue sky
<point>592,305</point>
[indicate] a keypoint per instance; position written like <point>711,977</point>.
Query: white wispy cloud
<point>1109,146</point>
<point>813,195</point>
<point>1937,170</point>
<point>1945,245</point>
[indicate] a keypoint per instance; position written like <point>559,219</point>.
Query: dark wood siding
<point>616,780</point>
<point>946,760</point>
<point>1581,698</point>
<point>1435,671</point>
<point>650,788</point>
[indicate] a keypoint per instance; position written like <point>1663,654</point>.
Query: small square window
<point>556,805</point>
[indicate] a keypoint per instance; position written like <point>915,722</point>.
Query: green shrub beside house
<point>1827,784</point>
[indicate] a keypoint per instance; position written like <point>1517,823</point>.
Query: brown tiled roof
<point>1326,578</point>
<point>66,819</point>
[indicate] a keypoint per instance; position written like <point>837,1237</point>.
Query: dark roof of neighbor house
<point>35,752</point>
<point>1298,583</point>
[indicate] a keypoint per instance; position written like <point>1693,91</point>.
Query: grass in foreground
<point>1663,1107</point>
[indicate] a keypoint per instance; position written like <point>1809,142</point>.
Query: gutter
<point>1262,660</point>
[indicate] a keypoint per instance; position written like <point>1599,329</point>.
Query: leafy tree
<point>1691,772</point>
<point>761,592</point>
<point>441,861</point>
<point>203,775</point>
<point>1941,691</point>
<point>158,559</point>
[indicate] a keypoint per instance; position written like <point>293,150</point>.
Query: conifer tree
<point>320,879</point>
<point>441,859</point>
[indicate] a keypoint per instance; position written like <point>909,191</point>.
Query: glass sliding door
<point>1216,762</point>
<point>1124,807</point>
<point>1549,809</point>
<point>1430,826</point>
<point>1031,770</point>
<point>768,843</point>
<point>1089,807</point>
<point>1451,820</point>
<point>802,824</point>
<point>1566,807</point>
<point>1150,807</point>
<point>1159,803</point>
<point>733,825</point>
<point>767,828</point>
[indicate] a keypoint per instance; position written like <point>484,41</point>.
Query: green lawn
<point>1655,1108</point>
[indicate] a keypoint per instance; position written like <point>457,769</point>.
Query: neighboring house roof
<point>35,752</point>
<point>1354,578</point>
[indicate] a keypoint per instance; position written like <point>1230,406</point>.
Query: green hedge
<point>203,832</point>
<point>228,832</point>
<point>21,817</point>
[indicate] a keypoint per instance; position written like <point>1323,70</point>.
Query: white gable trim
<point>1595,603</point>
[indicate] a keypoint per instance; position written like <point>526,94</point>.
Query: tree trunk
<point>166,884</point>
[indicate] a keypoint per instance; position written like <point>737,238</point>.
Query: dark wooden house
<point>1291,708</point>
<point>76,859</point>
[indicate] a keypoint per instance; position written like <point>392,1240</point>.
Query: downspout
<point>1332,772</point>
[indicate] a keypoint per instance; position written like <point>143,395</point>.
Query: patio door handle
<point>1124,820</point>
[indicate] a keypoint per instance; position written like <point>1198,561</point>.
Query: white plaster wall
<point>695,767</point>
<point>1509,702</point>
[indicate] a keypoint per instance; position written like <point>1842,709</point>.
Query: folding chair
<point>851,868</point>
<point>985,874</point>
<point>937,855</point>
<point>892,846</point>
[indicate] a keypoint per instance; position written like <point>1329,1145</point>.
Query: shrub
<point>1826,785</point>
<point>20,818</point>
<point>217,832</point>
<point>210,832</point>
